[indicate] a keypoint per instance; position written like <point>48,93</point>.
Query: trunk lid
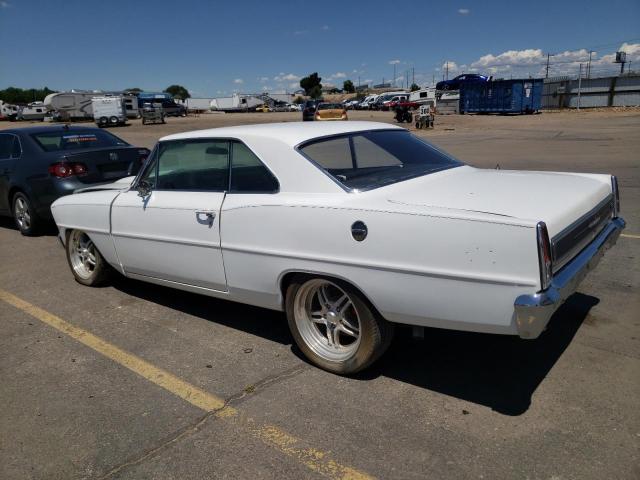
<point>104,164</point>
<point>558,199</point>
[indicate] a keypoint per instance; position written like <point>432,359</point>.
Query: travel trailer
<point>76,105</point>
<point>32,111</point>
<point>8,111</point>
<point>236,103</point>
<point>109,111</point>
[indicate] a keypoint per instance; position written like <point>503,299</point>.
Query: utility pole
<point>589,65</point>
<point>547,74</point>
<point>446,66</point>
<point>413,75</point>
<point>579,85</point>
<point>394,74</point>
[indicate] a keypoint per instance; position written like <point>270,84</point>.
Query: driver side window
<point>193,165</point>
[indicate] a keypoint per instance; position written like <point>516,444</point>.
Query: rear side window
<point>76,140</point>
<point>16,149</point>
<point>193,165</point>
<point>248,173</point>
<point>6,145</point>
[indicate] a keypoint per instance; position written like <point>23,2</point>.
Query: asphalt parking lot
<point>137,381</point>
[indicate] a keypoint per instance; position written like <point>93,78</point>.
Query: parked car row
<point>362,225</point>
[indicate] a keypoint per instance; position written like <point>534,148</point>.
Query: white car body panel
<point>451,249</point>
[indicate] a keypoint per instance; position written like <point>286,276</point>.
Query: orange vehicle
<point>331,111</point>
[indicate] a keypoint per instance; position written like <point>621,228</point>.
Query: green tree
<point>414,87</point>
<point>312,82</point>
<point>178,92</point>
<point>316,92</point>
<point>19,95</point>
<point>134,90</point>
<point>299,100</point>
<point>348,87</point>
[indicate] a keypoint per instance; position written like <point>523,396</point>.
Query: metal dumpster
<point>502,96</point>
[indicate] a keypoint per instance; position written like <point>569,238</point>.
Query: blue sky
<point>217,47</point>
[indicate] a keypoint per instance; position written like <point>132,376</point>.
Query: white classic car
<point>347,227</point>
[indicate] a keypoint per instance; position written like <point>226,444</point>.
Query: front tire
<point>25,216</point>
<point>86,263</point>
<point>334,325</point>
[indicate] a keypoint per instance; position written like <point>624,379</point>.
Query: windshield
<point>76,140</point>
<point>329,106</point>
<point>367,160</point>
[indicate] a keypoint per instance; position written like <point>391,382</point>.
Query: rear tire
<point>86,263</point>
<point>27,220</point>
<point>334,325</point>
<point>113,120</point>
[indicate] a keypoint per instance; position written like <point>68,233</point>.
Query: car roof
<point>47,129</point>
<point>291,133</point>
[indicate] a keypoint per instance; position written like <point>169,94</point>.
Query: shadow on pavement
<point>500,372</point>
<point>48,229</point>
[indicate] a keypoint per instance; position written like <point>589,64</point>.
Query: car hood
<point>558,199</point>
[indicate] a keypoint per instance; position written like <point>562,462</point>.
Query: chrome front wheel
<point>21,213</point>
<point>86,262</point>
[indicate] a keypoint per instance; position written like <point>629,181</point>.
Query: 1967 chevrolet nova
<point>349,228</point>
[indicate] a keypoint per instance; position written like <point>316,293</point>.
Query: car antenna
<point>497,166</point>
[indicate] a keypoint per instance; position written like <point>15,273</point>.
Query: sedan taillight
<point>67,169</point>
<point>544,255</point>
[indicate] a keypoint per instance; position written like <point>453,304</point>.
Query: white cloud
<point>325,27</point>
<point>464,11</point>
<point>289,77</point>
<point>452,66</point>
<point>263,79</point>
<point>394,62</point>
<point>238,81</point>
<point>338,75</point>
<point>301,32</point>
<point>294,85</point>
<point>4,4</point>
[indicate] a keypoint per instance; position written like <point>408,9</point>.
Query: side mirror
<point>144,188</point>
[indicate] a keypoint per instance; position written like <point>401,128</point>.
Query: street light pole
<point>579,85</point>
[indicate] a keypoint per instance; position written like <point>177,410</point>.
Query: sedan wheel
<point>334,325</point>
<point>25,217</point>
<point>87,265</point>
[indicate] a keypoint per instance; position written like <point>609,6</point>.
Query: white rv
<point>32,111</point>
<point>109,111</point>
<point>424,96</point>
<point>8,111</point>
<point>236,103</point>
<point>76,105</point>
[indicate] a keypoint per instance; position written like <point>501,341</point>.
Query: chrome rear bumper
<point>534,311</point>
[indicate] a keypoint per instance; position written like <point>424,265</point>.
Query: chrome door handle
<point>209,217</point>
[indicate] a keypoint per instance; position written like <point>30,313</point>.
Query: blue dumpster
<point>502,96</point>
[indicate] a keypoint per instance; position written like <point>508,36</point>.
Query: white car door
<point>173,232</point>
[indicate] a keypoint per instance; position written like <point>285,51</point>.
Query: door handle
<point>205,217</point>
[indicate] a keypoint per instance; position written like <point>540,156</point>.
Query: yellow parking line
<point>629,235</point>
<point>316,460</point>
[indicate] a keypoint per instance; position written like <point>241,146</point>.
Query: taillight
<point>67,169</point>
<point>544,255</point>
<point>616,196</point>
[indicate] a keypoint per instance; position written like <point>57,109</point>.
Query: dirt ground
<point>454,405</point>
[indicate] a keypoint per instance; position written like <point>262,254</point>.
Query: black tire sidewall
<point>375,332</point>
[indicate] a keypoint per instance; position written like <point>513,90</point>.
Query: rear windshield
<point>366,160</point>
<point>330,106</point>
<point>76,140</point>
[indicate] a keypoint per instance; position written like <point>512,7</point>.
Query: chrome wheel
<point>327,320</point>
<point>21,213</point>
<point>82,254</point>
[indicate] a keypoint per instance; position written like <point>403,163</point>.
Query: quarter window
<point>6,145</point>
<point>248,174</point>
<point>16,149</point>
<point>193,165</point>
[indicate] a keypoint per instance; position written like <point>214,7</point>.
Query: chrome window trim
<point>298,148</point>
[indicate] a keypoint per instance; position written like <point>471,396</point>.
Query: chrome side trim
<point>533,311</point>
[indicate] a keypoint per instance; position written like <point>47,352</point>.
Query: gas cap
<point>359,231</point>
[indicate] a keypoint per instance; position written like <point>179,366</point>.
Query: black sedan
<point>40,164</point>
<point>309,110</point>
<point>455,83</point>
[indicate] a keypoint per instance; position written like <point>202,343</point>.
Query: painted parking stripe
<point>630,235</point>
<point>316,460</point>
